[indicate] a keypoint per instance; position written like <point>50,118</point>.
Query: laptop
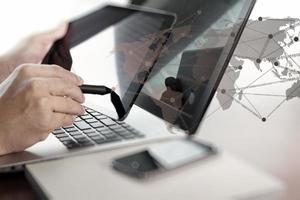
<point>150,120</point>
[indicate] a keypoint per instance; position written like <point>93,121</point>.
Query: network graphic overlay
<point>265,68</point>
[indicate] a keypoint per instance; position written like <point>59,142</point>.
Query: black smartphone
<point>163,157</point>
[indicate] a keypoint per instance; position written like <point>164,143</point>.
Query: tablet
<point>115,47</point>
<point>187,75</point>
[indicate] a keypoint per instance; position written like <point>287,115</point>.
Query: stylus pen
<point>95,89</point>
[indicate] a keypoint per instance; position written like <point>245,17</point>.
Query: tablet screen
<point>189,70</point>
<point>115,47</point>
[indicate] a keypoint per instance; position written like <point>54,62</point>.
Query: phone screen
<point>163,157</point>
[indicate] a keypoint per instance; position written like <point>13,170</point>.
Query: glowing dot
<point>199,12</point>
<point>258,60</point>
<point>270,36</point>
<point>172,100</point>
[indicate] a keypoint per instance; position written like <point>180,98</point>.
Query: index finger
<point>48,71</point>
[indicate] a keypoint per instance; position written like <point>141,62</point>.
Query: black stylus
<point>95,89</point>
<point>103,90</point>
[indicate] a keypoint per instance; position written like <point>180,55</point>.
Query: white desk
<point>224,177</point>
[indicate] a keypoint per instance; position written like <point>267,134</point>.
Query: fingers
<point>60,87</point>
<point>53,35</point>
<point>60,120</point>
<point>66,106</point>
<point>48,71</point>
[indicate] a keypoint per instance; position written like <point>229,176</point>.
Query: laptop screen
<point>190,68</point>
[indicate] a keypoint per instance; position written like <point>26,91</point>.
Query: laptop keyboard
<point>94,128</point>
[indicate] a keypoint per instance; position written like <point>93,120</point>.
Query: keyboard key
<point>71,144</point>
<point>65,139</point>
<point>78,137</point>
<point>61,135</point>
<point>97,137</point>
<point>91,120</point>
<point>59,131</point>
<point>89,110</point>
<point>96,124</point>
<point>88,131</point>
<point>118,129</point>
<point>73,129</point>
<point>99,140</point>
<point>85,117</point>
<point>92,134</point>
<point>85,143</point>
<point>103,129</point>
<point>101,117</point>
<point>82,125</point>
<point>108,122</point>
<point>78,119</point>
<point>66,127</point>
<point>75,133</point>
<point>107,133</point>
<point>94,113</point>
<point>112,137</point>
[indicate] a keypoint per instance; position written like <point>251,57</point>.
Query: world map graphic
<point>268,55</point>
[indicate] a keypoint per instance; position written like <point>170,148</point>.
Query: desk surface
<point>220,177</point>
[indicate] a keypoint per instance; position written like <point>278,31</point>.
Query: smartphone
<point>163,157</point>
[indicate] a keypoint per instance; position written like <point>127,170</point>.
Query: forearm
<point>6,67</point>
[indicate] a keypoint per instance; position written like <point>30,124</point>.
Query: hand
<point>31,50</point>
<point>35,100</point>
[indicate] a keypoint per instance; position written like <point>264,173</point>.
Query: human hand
<point>35,100</point>
<point>31,50</point>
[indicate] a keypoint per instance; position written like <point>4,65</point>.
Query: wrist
<point>3,149</point>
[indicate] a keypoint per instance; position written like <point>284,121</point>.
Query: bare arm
<point>31,50</point>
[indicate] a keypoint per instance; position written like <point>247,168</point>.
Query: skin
<point>35,99</point>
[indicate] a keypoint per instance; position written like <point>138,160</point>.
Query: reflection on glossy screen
<point>94,61</point>
<point>186,66</point>
<point>114,56</point>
